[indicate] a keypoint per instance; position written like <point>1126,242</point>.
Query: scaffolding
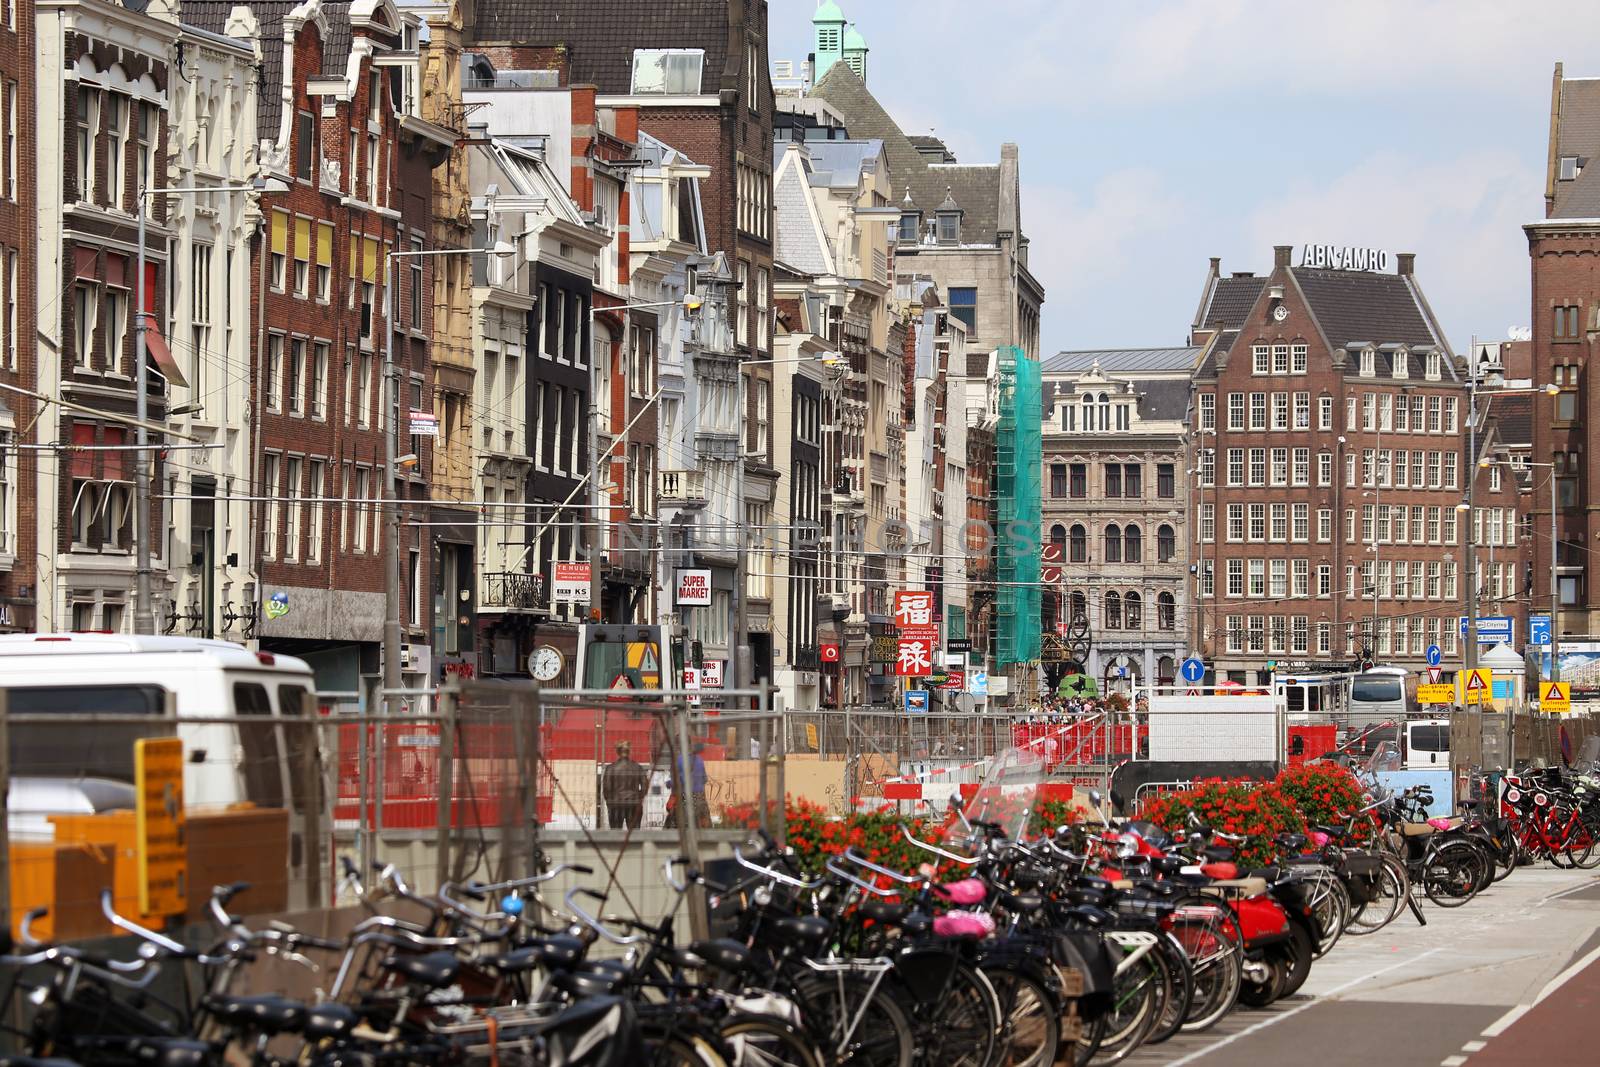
<point>1017,491</point>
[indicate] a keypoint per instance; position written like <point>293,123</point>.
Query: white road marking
<point>1502,1024</point>
<point>1331,994</point>
<point>1452,1061</point>
<point>1474,1046</point>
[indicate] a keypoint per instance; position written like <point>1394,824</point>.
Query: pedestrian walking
<point>623,786</point>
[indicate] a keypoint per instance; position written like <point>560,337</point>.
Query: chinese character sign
<point>913,607</point>
<point>915,658</point>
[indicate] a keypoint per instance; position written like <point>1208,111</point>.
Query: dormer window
<point>1402,364</point>
<point>948,218</point>
<point>910,227</point>
<point>1568,168</point>
<point>1434,368</point>
<point>1369,363</point>
<point>668,71</point>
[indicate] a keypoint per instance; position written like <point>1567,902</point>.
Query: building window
<point>1208,467</point>
<point>964,306</point>
<point>363,507</point>
<point>762,306</point>
<point>116,130</point>
<point>1258,411</point>
<point>1260,359</point>
<point>1113,604</point>
<point>8,495</point>
<point>1369,363</point>
<point>319,380</point>
<point>280,250</point>
<point>1236,522</point>
<point>416,295</point>
<point>1166,544</point>
<point>668,71</point>
<point>1235,466</point>
<point>297,368</point>
<point>1058,480</point>
<point>1208,411</point>
<point>85,309</point>
<point>1166,481</point>
<point>1078,545</point>
<point>292,495</point>
<point>116,333</point>
<point>1565,377</point>
<point>11,140</point>
<point>1113,546</point>
<point>1133,611</point>
<point>1078,481</point>
<point>1566,322</point>
<point>305,145</point>
<point>910,224</point>
<point>1132,544</point>
<point>742,312</point>
<point>1208,523</point>
<point>88,134</point>
<point>1280,411</point>
<point>1236,411</point>
<point>1567,467</point>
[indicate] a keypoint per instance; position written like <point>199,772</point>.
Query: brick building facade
<point>1329,422</point>
<point>19,252</point>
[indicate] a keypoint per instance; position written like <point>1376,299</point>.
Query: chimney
<point>1216,266</point>
<point>1405,263</point>
<point>1281,255</point>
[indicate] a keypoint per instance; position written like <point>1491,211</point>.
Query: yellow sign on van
<point>1555,697</point>
<point>1477,687</point>
<point>163,857</point>
<point>1436,693</point>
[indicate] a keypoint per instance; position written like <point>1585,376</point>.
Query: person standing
<point>623,788</point>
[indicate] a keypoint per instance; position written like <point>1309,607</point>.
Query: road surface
<point>1511,978</point>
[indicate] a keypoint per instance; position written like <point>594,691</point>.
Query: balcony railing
<point>513,591</point>
<point>681,485</point>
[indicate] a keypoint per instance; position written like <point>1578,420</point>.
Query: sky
<point>1154,135</point>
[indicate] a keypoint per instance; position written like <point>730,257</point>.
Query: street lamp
<point>392,464</point>
<point>144,619</point>
<point>1489,461</point>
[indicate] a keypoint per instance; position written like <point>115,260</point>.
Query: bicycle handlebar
<point>965,861</point>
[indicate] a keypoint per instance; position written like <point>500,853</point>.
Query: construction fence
<point>485,784</point>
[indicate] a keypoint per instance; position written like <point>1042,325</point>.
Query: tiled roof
<point>1165,398</point>
<point>1231,302</point>
<point>1122,359</point>
<point>1578,134</point>
<point>974,187</point>
<point>798,242</point>
<point>1513,414</point>
<point>600,35</point>
<point>1365,306</point>
<point>212,15</point>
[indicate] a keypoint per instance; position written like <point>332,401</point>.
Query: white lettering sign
<point>1333,257</point>
<point>694,587</point>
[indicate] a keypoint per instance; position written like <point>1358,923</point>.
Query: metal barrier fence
<point>277,795</point>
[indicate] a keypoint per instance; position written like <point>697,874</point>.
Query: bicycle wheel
<point>1331,912</point>
<point>1217,962</point>
<point>1031,1034</point>
<point>1137,998</point>
<point>962,1027</point>
<point>1450,876</point>
<point>673,1050</point>
<point>1388,900</point>
<point>1176,1007</point>
<point>853,1024</point>
<point>763,1041</point>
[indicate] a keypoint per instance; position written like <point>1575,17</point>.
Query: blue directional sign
<point>1435,656</point>
<point>1193,669</point>
<point>1492,629</point>
<point>1538,629</point>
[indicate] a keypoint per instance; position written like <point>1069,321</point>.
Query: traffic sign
<point>1435,672</point>
<point>1538,629</point>
<point>1555,697</point>
<point>1475,686</point>
<point>1436,694</point>
<point>1192,693</point>
<point>1435,657</point>
<point>1193,669</point>
<point>1492,629</point>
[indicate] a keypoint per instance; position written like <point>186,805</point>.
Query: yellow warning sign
<point>1476,686</point>
<point>1436,693</point>
<point>1555,697</point>
<point>811,737</point>
<point>163,857</point>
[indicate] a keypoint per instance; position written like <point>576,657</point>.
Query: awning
<point>156,346</point>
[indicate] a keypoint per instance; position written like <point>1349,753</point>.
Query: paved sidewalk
<point>1415,996</point>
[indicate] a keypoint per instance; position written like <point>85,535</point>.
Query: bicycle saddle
<point>802,929</point>
<point>1415,829</point>
<point>329,1021</point>
<point>884,911</point>
<point>1025,903</point>
<point>587,983</point>
<point>1167,865</point>
<point>175,1052</point>
<point>431,969</point>
<point>265,1012</point>
<point>722,954</point>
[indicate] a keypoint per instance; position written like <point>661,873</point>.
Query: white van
<point>1376,696</point>
<point>164,677</point>
<point>1427,744</point>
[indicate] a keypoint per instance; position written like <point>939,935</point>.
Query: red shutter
<point>117,270</point>
<point>82,462</point>
<point>115,460</point>
<point>83,263</point>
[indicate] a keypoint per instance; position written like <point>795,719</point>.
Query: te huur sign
<point>1334,257</point>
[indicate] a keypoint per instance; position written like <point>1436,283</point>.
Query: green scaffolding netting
<point>1017,491</point>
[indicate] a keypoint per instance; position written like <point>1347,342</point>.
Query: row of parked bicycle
<point>1080,945</point>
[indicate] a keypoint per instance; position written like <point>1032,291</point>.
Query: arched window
<point>1058,537</point>
<point>1166,544</point>
<point>1077,606</point>
<point>1131,610</point>
<point>1113,611</point>
<point>1078,551</point>
<point>1113,543</point>
<point>1132,544</point>
<point>1105,412</point>
<point>1166,611</point>
<point>1088,413</point>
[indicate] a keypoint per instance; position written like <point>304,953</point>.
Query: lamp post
<point>391,464</point>
<point>144,619</point>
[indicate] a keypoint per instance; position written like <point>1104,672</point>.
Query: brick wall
<point>19,233</point>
